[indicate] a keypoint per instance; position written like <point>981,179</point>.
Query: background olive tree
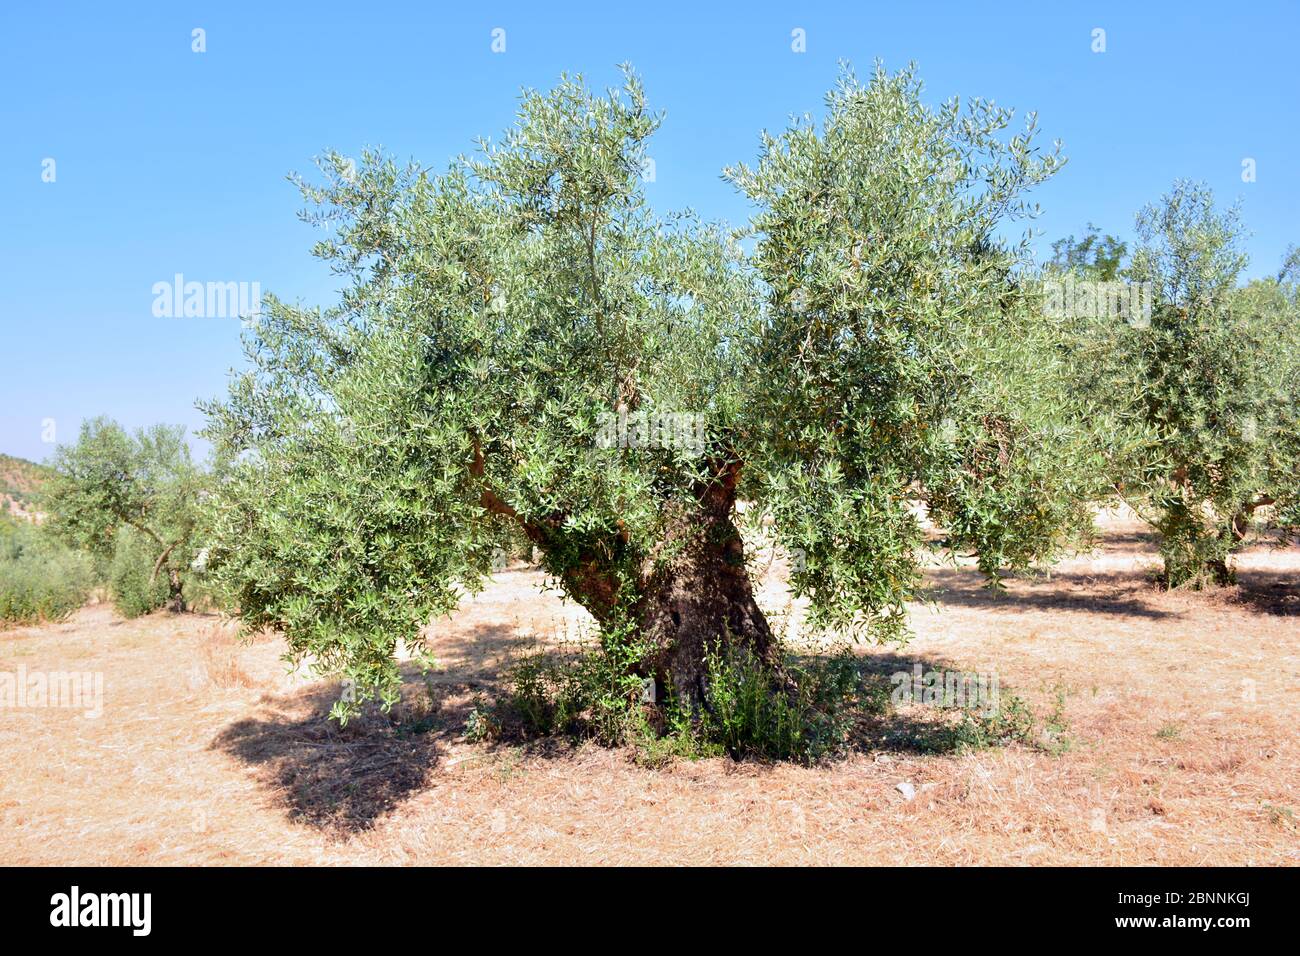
<point>131,500</point>
<point>41,579</point>
<point>523,346</point>
<point>1094,255</point>
<point>1203,396</point>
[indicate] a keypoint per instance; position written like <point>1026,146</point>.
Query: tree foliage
<point>901,354</point>
<point>40,578</point>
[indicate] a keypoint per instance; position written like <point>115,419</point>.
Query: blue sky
<point>172,161</point>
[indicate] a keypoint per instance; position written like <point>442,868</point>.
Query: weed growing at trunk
<point>806,712</point>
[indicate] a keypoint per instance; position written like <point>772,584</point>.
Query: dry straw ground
<point>1175,742</point>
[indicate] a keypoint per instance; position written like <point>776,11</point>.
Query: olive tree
<point>524,346</point>
<point>1094,255</point>
<point>1210,385</point>
<point>111,484</point>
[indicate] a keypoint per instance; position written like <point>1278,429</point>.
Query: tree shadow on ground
<point>1113,594</point>
<point>344,779</point>
<point>334,778</point>
<point>1268,592</point>
<point>1144,540</point>
<point>983,712</point>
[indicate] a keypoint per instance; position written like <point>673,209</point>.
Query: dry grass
<point>1177,744</point>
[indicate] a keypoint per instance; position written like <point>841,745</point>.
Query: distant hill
<point>20,480</point>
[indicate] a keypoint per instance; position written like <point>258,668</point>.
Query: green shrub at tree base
<point>747,711</point>
<point>828,706</point>
<point>132,585</point>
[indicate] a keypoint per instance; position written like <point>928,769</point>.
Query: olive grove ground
<point>1173,742</point>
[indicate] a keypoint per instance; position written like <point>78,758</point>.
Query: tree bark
<point>697,599</point>
<point>176,599</point>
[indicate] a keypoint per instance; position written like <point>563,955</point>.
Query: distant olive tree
<point>525,347</point>
<point>1094,255</point>
<point>1208,390</point>
<point>112,489</point>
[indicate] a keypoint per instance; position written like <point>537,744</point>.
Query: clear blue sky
<point>170,161</point>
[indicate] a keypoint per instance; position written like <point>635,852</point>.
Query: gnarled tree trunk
<point>697,599</point>
<point>693,596</point>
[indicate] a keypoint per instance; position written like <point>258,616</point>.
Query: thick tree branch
<point>589,579</point>
<point>157,565</point>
